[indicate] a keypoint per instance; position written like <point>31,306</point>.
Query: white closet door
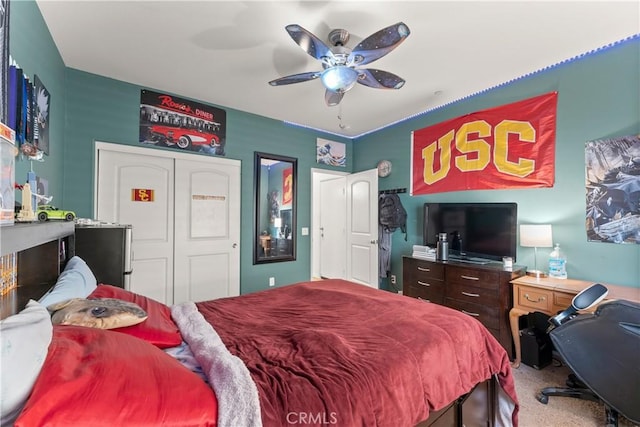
<point>207,230</point>
<point>138,190</point>
<point>186,231</point>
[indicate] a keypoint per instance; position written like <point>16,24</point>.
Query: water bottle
<point>557,263</point>
<point>442,247</point>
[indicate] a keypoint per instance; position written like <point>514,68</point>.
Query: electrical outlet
<point>393,279</point>
<point>272,281</point>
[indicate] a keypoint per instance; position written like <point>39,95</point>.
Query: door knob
<point>235,245</point>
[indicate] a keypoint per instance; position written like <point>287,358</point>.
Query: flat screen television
<point>475,231</point>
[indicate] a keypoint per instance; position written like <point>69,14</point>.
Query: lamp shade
<point>536,235</point>
<point>339,78</point>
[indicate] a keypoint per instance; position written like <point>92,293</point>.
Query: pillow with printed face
<point>97,377</point>
<point>102,313</point>
<point>159,329</point>
<point>76,281</point>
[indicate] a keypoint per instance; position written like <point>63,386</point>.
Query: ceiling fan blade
<point>333,98</point>
<point>308,42</point>
<point>379,79</point>
<point>379,44</point>
<point>295,78</point>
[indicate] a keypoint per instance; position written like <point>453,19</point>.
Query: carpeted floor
<point>560,411</point>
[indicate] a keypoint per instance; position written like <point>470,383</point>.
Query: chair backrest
<point>602,350</point>
<point>585,299</point>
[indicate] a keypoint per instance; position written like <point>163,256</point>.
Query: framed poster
<point>41,116</point>
<point>169,121</point>
<point>613,189</point>
<point>331,153</point>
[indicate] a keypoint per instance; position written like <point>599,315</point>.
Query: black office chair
<point>602,350</point>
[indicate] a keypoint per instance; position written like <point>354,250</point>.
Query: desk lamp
<point>277,224</point>
<point>536,236</point>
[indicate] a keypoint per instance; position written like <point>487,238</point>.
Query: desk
<point>549,295</point>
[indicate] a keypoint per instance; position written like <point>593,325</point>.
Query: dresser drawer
<point>475,277</point>
<point>473,294</point>
<point>488,316</point>
<point>534,299</point>
<point>432,293</point>
<point>561,301</point>
<point>426,270</point>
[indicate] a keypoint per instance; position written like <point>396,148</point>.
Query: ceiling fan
<point>340,64</point>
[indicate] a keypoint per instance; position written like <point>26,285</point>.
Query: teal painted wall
<point>101,109</point>
<point>598,97</point>
<point>33,49</point>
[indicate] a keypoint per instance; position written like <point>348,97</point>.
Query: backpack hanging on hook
<point>392,214</point>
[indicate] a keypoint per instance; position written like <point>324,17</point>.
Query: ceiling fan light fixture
<point>339,78</point>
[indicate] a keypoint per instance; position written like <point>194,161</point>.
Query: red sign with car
<point>169,121</point>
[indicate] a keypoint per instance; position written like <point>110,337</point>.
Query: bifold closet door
<point>207,230</point>
<point>185,213</point>
<point>139,190</point>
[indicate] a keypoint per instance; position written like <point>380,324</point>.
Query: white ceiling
<point>225,52</point>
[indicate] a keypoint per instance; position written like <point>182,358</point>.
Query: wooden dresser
<point>479,290</point>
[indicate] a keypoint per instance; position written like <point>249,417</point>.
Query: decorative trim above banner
<point>169,121</point>
<point>511,146</point>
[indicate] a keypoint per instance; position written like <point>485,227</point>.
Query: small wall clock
<point>384,168</point>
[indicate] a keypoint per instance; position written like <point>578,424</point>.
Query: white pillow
<point>24,341</point>
<point>76,281</point>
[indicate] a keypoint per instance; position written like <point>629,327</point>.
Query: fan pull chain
<point>340,124</point>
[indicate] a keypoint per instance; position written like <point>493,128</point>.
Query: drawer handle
<point>469,277</point>
<point>470,295</point>
<point>470,314</point>
<point>425,300</point>
<point>423,283</point>
<point>424,269</point>
<point>540,299</point>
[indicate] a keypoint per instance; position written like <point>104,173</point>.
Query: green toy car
<point>47,212</point>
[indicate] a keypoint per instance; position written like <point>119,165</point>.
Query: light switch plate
<point>305,231</point>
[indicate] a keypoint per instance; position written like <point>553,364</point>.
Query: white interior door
<point>349,225</point>
<point>333,232</point>
<point>362,227</point>
<point>138,189</point>
<point>207,230</point>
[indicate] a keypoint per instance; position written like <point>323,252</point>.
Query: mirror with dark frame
<point>274,216</point>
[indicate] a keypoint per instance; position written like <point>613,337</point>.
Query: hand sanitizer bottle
<point>557,263</point>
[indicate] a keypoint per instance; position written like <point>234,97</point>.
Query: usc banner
<point>511,146</point>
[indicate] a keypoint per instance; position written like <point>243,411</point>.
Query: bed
<point>327,352</point>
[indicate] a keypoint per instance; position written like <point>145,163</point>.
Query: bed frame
<point>476,408</point>
<point>44,248</point>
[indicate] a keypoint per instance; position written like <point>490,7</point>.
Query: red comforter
<point>339,353</point>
